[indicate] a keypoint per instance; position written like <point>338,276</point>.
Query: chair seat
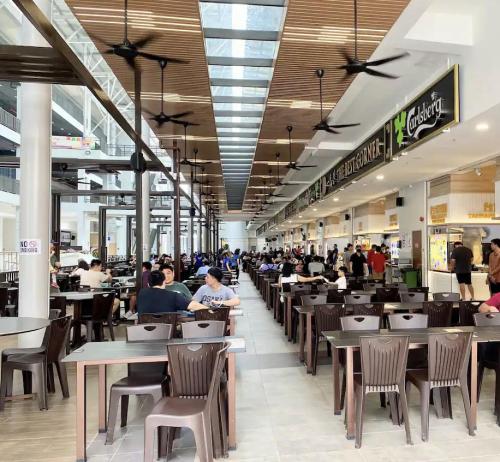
<point>21,351</point>
<point>177,407</point>
<point>144,382</point>
<point>25,359</point>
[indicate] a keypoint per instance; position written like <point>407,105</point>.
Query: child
<point>341,281</point>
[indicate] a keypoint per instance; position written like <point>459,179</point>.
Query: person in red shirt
<point>369,258</point>
<point>492,305</point>
<point>378,263</point>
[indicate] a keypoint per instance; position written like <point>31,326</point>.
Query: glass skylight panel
<point>254,17</point>
<point>236,48</point>
<point>239,138</point>
<point>219,119</point>
<point>238,107</point>
<point>238,91</point>
<point>238,130</point>
<point>240,72</point>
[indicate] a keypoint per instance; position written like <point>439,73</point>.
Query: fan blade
<point>378,62</point>
<point>379,74</point>
<point>131,62</point>
<point>182,114</point>
<point>346,56</point>
<point>160,58</point>
<point>142,42</point>
<point>329,130</point>
<point>343,125</point>
<point>178,122</point>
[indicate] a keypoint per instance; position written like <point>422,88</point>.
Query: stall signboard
<point>439,213</point>
<point>435,109</point>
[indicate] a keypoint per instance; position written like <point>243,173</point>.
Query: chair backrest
<point>360,323</point>
<point>327,317</point>
<point>439,313</point>
<point>57,338</point>
<point>143,332</point>
<point>337,295</point>
<point>302,287</point>
<point>202,329</point>
<point>102,306</point>
<point>424,290</point>
<point>466,311</point>
<point>84,288</point>
<point>58,303</point>
<point>446,297</point>
<point>192,368</point>
<point>286,287</point>
<point>319,299</point>
<point>408,321</point>
<point>372,285</point>
<point>410,297</point>
<point>357,299</point>
<point>322,289</point>
<point>487,319</point>
<point>160,318</point>
<point>387,294</point>
<point>383,361</point>
<point>215,314</point>
<point>368,309</point>
<point>401,286</point>
<point>448,357</point>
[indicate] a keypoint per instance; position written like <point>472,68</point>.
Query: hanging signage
<point>428,114</point>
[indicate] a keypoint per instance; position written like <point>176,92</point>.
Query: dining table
<point>419,338</point>
<point>103,354</point>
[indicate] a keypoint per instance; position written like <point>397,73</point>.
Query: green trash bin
<point>410,277</point>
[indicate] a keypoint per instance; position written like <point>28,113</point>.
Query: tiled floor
<point>283,415</point>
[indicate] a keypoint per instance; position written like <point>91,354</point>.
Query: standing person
<point>146,273</point>
<point>461,264</point>
<point>213,293</point>
<point>202,270</point>
<point>378,264</point>
<point>347,257</point>
<point>369,258</point>
<point>358,263</point>
<point>335,255</point>
<point>174,286</point>
<point>235,262</point>
<point>329,258</point>
<point>493,278</point>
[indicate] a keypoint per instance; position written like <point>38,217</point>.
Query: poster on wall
<point>438,250</point>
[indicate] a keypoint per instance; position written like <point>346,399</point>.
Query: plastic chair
<point>383,368</point>
<point>142,379</point>
<point>466,312</point>
<point>412,297</point>
<point>302,287</point>
<point>387,294</point>
<point>319,299</point>
<point>170,318</point>
<point>439,313</point>
<point>448,358</point>
<point>357,299</point>
<point>203,329</point>
<point>368,309</point>
<point>337,295</point>
<point>102,311</point>
<point>424,290</point>
<point>372,285</point>
<point>408,321</point>
<point>446,297</point>
<point>326,317</point>
<point>193,401</point>
<point>58,303</point>
<point>37,363</point>
<point>215,314</point>
<point>360,323</point>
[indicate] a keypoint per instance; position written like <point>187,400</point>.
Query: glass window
<point>238,107</point>
<point>238,130</point>
<point>254,120</point>
<point>238,91</point>
<point>236,48</point>
<point>240,72</point>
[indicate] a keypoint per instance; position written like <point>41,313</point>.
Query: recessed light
<point>300,216</point>
<point>404,153</point>
<point>335,199</point>
<point>396,158</point>
<point>341,189</point>
<point>447,130</point>
<point>482,127</point>
<point>380,177</point>
<point>354,181</point>
<point>315,210</point>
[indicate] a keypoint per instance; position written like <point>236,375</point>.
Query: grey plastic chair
<point>161,318</point>
<point>203,329</point>
<point>466,311</point>
<point>353,299</point>
<point>360,323</point>
<point>193,401</point>
<point>302,287</point>
<point>448,359</point>
<point>408,321</point>
<point>319,299</point>
<point>439,313</point>
<point>372,285</point>
<point>446,297</point>
<point>412,297</point>
<point>142,379</point>
<point>383,368</point>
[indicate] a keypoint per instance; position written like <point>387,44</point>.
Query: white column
<point>35,201</point>
<point>146,213</point>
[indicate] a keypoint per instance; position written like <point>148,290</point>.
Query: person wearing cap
<point>213,293</point>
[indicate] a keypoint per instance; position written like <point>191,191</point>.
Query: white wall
<point>236,235</point>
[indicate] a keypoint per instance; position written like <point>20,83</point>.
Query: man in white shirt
<point>341,281</point>
<point>94,277</point>
<point>316,267</point>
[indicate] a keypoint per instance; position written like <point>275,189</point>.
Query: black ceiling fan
<point>323,124</point>
<point>266,186</point>
<point>122,200</point>
<point>186,161</point>
<point>294,165</point>
<point>355,66</point>
<point>163,118</point>
<point>279,182</point>
<point>130,50</point>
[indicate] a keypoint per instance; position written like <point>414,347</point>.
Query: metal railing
<point>8,184</point>
<point>9,261</point>
<point>9,120</point>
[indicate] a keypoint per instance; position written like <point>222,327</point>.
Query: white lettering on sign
<point>30,247</point>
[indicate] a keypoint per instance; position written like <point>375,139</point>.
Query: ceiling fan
<point>293,165</point>
<point>323,124</point>
<point>355,66</point>
<point>122,200</point>
<point>186,161</point>
<point>266,186</point>
<point>163,118</point>
<point>279,182</point>
<point>130,50</point>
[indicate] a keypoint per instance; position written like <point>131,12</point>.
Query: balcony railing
<point>9,120</point>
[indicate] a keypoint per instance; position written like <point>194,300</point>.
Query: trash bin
<point>410,277</point>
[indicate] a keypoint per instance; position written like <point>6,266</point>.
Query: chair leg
<point>424,410</point>
<point>27,383</point>
<point>360,403</point>
<point>497,392</point>
<point>466,399</point>
<point>315,355</point>
<point>382,400</point>
<point>5,384</point>
<point>149,440</point>
<point>90,330</point>
<point>223,420</point>
<point>51,386</point>
<point>203,439</point>
<point>404,408</point>
<point>342,390</point>
<point>114,402</point>
<point>63,378</point>
<point>40,378</point>
<point>480,375</point>
<point>124,410</point>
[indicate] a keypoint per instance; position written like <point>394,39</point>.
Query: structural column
<point>146,209</point>
<point>176,224</point>
<point>35,199</point>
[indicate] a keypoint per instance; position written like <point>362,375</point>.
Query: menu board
<point>394,247</point>
<point>438,244</point>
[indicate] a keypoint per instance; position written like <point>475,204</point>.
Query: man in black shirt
<point>155,299</point>
<point>461,263</point>
<point>358,262</point>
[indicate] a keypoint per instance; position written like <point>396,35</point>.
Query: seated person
<point>174,286</point>
<point>82,266</point>
<point>492,305</point>
<point>341,281</point>
<point>94,277</point>
<point>154,299</point>
<point>213,293</point>
<point>288,276</point>
<point>203,270</point>
<point>316,267</point>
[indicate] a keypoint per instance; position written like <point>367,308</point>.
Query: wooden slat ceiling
<point>314,34</point>
<point>312,38</point>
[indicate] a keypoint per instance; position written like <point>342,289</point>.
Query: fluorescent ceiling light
<point>482,127</point>
<point>380,177</point>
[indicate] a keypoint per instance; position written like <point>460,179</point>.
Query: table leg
<point>232,325</point>
<point>473,384</point>
<point>289,317</point>
<point>81,418</point>
<point>336,383</point>
<point>309,355</point>
<point>231,399</point>
<point>102,397</point>
<point>349,402</point>
<point>301,337</point>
